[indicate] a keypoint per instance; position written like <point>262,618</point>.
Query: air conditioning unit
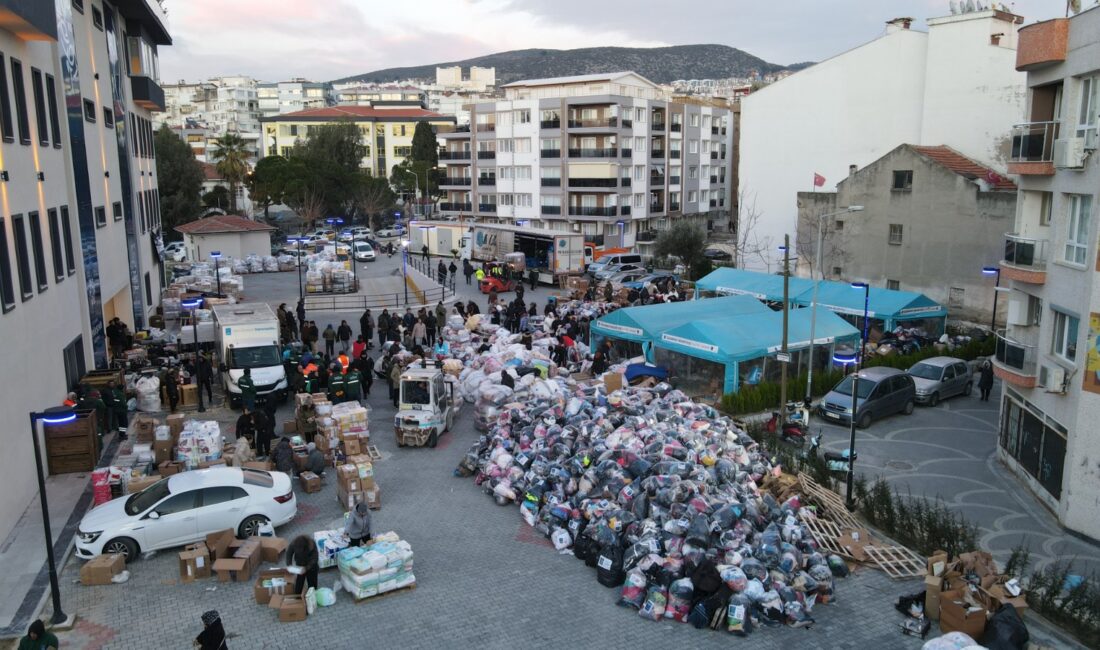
<point>1069,153</point>
<point>1053,379</point>
<point>1017,313</point>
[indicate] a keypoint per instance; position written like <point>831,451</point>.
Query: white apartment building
<point>79,215</point>
<point>479,79</point>
<point>605,154</point>
<point>202,112</point>
<point>1048,357</point>
<point>955,83</point>
<point>374,95</point>
<point>277,98</point>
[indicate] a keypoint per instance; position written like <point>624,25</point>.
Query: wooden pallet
<point>829,501</point>
<point>372,451</point>
<point>402,590</point>
<point>897,562</point>
<point>825,533</point>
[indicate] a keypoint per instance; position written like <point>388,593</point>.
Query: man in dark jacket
<point>366,328</point>
<point>263,427</point>
<point>343,334</point>
<point>283,456</point>
<point>383,326</point>
<point>172,389</point>
<point>204,374</point>
<point>467,270</point>
<point>441,273</point>
<point>301,310</point>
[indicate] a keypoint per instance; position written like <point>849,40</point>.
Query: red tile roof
<point>360,112</point>
<point>222,223</point>
<point>965,167</point>
<point>210,172</point>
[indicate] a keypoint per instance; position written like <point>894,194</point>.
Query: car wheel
<point>908,410</point>
<point>433,440</point>
<point>935,399</point>
<point>124,546</point>
<point>864,421</point>
<point>251,527</point>
<point>969,388</point>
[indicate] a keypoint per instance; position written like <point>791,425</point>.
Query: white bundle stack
<point>170,308</point>
<point>200,441</point>
<point>148,393</point>
<point>271,265</point>
<point>240,267</point>
<point>384,566</point>
<point>329,543</point>
<point>285,263</point>
<point>203,315</point>
<point>255,264</point>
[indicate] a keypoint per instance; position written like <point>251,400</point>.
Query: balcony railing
<point>550,124</point>
<point>657,153</point>
<point>646,235</point>
<point>676,127</point>
<point>656,207</point>
<point>673,180</point>
<point>454,155</point>
<point>550,153</point>
<point>591,182</point>
<point>626,152</point>
<point>455,181</point>
<point>582,211</point>
<point>607,122</point>
<point>1025,252</point>
<point>456,207</point>
<point>656,180</point>
<point>486,127</point>
<point>486,180</point>
<point>658,126</point>
<point>713,179</point>
<point>1033,142</point>
<point>624,182</point>
<point>486,155</point>
<point>551,209</point>
<point>1019,359</point>
<point>593,153</point>
<point>673,206</point>
<point>486,207</point>
<point>550,182</point>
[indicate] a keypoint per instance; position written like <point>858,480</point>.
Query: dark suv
<point>882,392</point>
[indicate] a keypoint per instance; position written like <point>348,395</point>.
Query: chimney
<point>898,24</point>
<point>852,170</point>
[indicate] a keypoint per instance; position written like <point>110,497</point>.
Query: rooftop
<point>965,167</point>
<point>222,223</point>
<point>210,172</point>
<point>576,79</point>
<point>357,112</point>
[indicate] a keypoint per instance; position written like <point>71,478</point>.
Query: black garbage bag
<point>1005,630</point>
<point>609,566</point>
<point>586,549</point>
<point>911,605</point>
<point>698,532</point>
<point>705,579</point>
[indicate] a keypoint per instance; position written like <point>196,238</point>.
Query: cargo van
<point>617,258</point>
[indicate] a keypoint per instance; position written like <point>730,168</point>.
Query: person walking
<point>383,326</point>
<point>358,348</point>
<point>480,275</point>
<point>441,273</point>
<point>330,340</point>
<point>424,253</point>
<point>212,636</point>
<point>248,390</point>
<point>204,375</point>
<point>358,527</point>
<point>366,328</point>
<point>261,427</point>
<point>291,326</point>
<point>533,278</point>
<point>467,270</point>
<point>985,382</point>
<point>453,270</point>
<point>172,389</point>
<point>343,334</point>
<point>395,381</point>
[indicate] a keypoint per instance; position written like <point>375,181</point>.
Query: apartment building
<point>374,95</point>
<point>387,131</point>
<point>608,155</point>
<point>79,207</point>
<point>277,98</point>
<point>204,111</point>
<point>478,80</point>
<point>1048,356</point>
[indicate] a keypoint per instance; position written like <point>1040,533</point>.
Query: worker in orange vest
<point>344,361</point>
<point>309,375</point>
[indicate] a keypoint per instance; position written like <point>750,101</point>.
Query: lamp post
<point>849,498</point>
<point>416,196</point>
<point>846,360</point>
<point>51,416</point>
<point>784,357</point>
<point>298,261</point>
<point>193,305</point>
<point>404,268</point>
<point>996,271</point>
<point>818,257</point>
<point>215,255</point>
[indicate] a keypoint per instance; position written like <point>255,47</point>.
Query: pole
<point>866,306</point>
<point>416,195</point>
<point>813,305</point>
<point>195,330</point>
<point>848,501</point>
<point>55,591</point>
<point>301,297</point>
<point>218,277</point>
<point>404,270</point>
<point>993,321</point>
<point>786,307</point>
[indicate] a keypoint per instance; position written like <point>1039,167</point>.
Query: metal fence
<point>353,302</point>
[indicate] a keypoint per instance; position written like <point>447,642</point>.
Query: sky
<point>326,39</point>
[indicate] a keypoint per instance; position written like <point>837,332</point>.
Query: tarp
<point>645,322</point>
<point>635,370</point>
<point>762,286</point>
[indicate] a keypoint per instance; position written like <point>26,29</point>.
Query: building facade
<point>606,155</point>
<point>479,79</point>
<point>202,112</point>
<point>78,198</point>
<point>387,132</point>
<point>374,95</point>
<point>1048,356</point>
<point>931,220</point>
<point>280,97</point>
<point>851,109</point>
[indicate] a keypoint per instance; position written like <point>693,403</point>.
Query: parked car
<point>613,269</point>
<point>941,377</point>
<point>363,251</point>
<point>882,392</point>
<point>386,233</point>
<point>717,255</point>
<point>175,251</point>
<point>184,508</point>
<point>622,279</point>
<point>650,277</point>
<point>614,258</point>
<point>354,234</point>
<point>327,233</point>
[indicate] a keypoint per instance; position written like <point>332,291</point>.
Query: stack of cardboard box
<point>962,592</point>
<point>101,569</point>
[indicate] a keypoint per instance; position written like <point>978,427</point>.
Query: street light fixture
<point>849,498</point>
<point>404,268</point>
<point>820,276</point>
<point>215,255</point>
<point>993,270</point>
<point>51,416</point>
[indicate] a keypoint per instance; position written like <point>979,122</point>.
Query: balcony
<point>658,126</point>
<point>676,127</point>
<point>714,155</point>
<point>550,182</point>
<point>656,208</point>
<point>626,152</point>
<point>486,155</point>
<point>657,153</point>
<point>673,180</point>
<point>592,182</point>
<point>1025,259</point>
<point>455,181</point>
<point>147,94</point>
<point>601,123</point>
<point>551,209</point>
<point>550,124</point>
<point>549,153</point>
<point>456,207</point>
<point>582,211</point>
<point>1015,362</point>
<point>454,155</point>
<point>487,207</point>
<point>657,181</point>
<point>1042,44</point>
<point>673,206</point>
<point>1033,149</point>
<point>486,180</point>
<point>593,153</point>
<point>646,236</point>
<point>484,128</point>
<point>624,182</point>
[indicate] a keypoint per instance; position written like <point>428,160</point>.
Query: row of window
<point>44,92</point>
<point>523,116</point>
<point>141,136</point>
<point>149,210</point>
<point>30,254</point>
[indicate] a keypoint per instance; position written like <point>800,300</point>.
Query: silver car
<point>941,377</point>
<point>613,269</point>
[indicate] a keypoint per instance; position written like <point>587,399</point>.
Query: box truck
<point>441,238</point>
<point>551,253</point>
<point>247,336</point>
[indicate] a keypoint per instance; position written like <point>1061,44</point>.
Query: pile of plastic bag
<point>660,495</point>
<point>199,442</point>
<point>384,566</point>
<point>148,393</point>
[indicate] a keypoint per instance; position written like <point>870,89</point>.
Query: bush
<point>922,524</point>
<point>1074,606</point>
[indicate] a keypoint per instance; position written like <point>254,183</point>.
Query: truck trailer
<point>440,237</point>
<point>551,253</point>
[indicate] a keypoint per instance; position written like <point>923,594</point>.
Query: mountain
<point>658,64</point>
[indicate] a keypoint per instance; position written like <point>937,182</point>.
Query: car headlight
<point>89,538</point>
<point>848,410</point>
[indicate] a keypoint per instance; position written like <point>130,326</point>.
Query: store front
<point>1033,444</point>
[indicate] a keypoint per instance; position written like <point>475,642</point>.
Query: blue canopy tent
<point>705,355</point>
<point>891,307</point>
<point>762,286</point>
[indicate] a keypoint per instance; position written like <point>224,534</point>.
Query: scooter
<point>793,432</point>
<point>838,463</point>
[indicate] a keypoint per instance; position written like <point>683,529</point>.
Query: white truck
<point>440,237</point>
<point>247,336</point>
<point>551,252</point>
<point>427,407</point>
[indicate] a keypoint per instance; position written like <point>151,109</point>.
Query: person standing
<point>441,273</point>
<point>302,554</point>
<point>985,381</point>
<point>330,340</point>
<point>480,275</point>
<point>424,252</point>
<point>259,424</point>
<point>366,328</point>
<point>212,636</point>
<point>353,391</point>
<point>204,375</point>
<point>301,310</point>
<point>39,639</point>
<point>440,315</point>
<point>467,270</point>
<point>430,323</point>
<point>248,390</point>
<point>119,414</point>
<point>383,326</point>
<point>395,382</point>
<point>419,332</point>
<point>358,348</point>
<point>172,389</point>
<point>409,319</point>
<point>358,527</point>
<point>366,371</point>
<point>453,270</point>
<point>533,277</point>
<point>291,326</point>
<point>343,334</point>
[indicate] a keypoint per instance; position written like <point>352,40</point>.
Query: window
<point>116,209</point>
<point>706,121</point>
<point>550,116</point>
<point>108,118</point>
<point>1064,342</point>
<point>693,146</point>
<point>212,496</point>
<point>1046,205</point>
<point>639,200</point>
<point>639,115</point>
<point>22,257</point>
<point>402,152</point>
<point>1034,310</point>
<point>67,234</point>
<point>523,200</point>
<point>51,101</point>
<point>522,145</point>
<point>639,172</point>
<point>893,285</point>
<point>903,180</point>
<point>693,172</point>
<point>178,503</point>
<point>40,107</point>
<point>639,144</point>
<point>955,296</point>
<point>100,217</point>
<point>524,173</point>
<point>505,199</point>
<point>1088,117</point>
<point>97,18</point>
<point>837,271</point>
<point>20,102</point>
<point>1077,228</point>
<point>55,245</point>
<point>895,234</point>
<point>839,224</point>
<point>693,120</point>
<point>39,251</point>
<point>148,290</point>
<point>7,288</point>
<point>399,129</point>
<point>693,196</point>
<point>505,146</point>
<point>78,5</point>
<point>5,105</point>
<point>89,110</point>
<point>552,201</point>
<point>522,117</point>
<point>706,147</point>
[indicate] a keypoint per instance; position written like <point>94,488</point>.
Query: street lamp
<point>993,270</point>
<point>820,276</point>
<point>51,416</point>
<point>214,255</point>
<point>849,497</point>
<point>404,268</point>
<point>846,360</point>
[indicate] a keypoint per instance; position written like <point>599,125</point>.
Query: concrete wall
<point>231,245</point>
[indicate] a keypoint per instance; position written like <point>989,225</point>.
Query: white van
<point>617,258</point>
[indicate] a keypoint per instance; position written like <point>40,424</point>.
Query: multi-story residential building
<point>387,132</point>
<point>277,98</point>
<point>79,216</point>
<point>202,112</point>
<point>480,79</point>
<point>184,101</point>
<point>607,155</point>
<point>1048,357</point>
<point>931,220</point>
<point>954,84</point>
<point>361,95</point>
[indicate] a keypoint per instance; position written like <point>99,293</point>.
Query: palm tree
<point>231,160</point>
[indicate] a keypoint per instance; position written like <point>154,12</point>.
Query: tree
<point>329,168</point>
<point>374,197</point>
<point>412,175</point>
<point>749,245</point>
<point>179,179</point>
<point>685,241</point>
<point>231,159</point>
<point>267,183</point>
<point>425,147</point>
<point>218,197</point>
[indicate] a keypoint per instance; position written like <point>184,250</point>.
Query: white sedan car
<point>386,233</point>
<point>184,508</point>
<point>363,251</point>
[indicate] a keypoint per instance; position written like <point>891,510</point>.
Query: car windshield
<point>147,498</point>
<point>926,371</point>
<point>845,387</point>
<point>415,392</point>
<point>260,356</point>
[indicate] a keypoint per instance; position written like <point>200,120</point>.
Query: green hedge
<point>765,395</point>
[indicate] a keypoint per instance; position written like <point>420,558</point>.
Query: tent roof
<point>643,322</point>
<point>764,286</point>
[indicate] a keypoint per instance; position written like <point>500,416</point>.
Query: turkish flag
<point>819,180</point>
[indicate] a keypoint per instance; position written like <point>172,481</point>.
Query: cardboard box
<point>979,563</point>
<point>279,582</point>
<point>189,394</point>
<point>194,562</point>
<point>249,550</point>
<point>290,607</point>
<point>100,569</point>
<point>613,381</point>
<point>218,543</point>
<point>175,425</point>
<point>170,467</point>
<point>265,465</point>
<point>937,563</point>
<point>933,585</point>
<point>139,483</point>
<point>271,548</point>
<point>374,497</point>
<point>348,478</point>
<point>217,462</point>
<point>960,613</point>
<point>290,426</point>
<point>310,482</point>
<point>359,459</point>
<point>141,428</point>
<point>994,594</point>
<point>163,450</point>
<point>349,498</point>
<point>301,461</point>
<point>351,446</point>
<point>232,569</point>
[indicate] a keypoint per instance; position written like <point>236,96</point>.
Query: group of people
<point>108,403</point>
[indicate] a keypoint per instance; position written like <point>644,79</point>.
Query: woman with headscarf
<point>985,381</point>
<point>212,636</point>
<point>358,526</point>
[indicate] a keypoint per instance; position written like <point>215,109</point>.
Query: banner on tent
<point>688,343</point>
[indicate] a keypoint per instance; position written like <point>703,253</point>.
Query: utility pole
<point>784,356</point>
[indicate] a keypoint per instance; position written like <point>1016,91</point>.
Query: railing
<point>624,182</point>
<point>626,152</point>
<point>676,127</point>
<point>551,209</point>
<point>549,153</point>
<point>1033,142</point>
<point>456,207</point>
<point>486,127</point>
<point>646,235</point>
<point>656,207</point>
<point>626,124</point>
<point>550,182</point>
<point>713,179</point>
<point>454,155</point>
<point>673,206</point>
<point>592,153</point>
<point>597,123</point>
<point>673,180</point>
<point>674,153</point>
<point>486,155</point>
<point>1025,252</point>
<point>581,211</point>
<point>487,180</point>
<point>455,181</point>
<point>357,302</point>
<point>591,182</point>
<point>658,126</point>
<point>657,153</point>
<point>462,128</point>
<point>486,207</point>
<point>1020,357</point>
<point>550,124</point>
